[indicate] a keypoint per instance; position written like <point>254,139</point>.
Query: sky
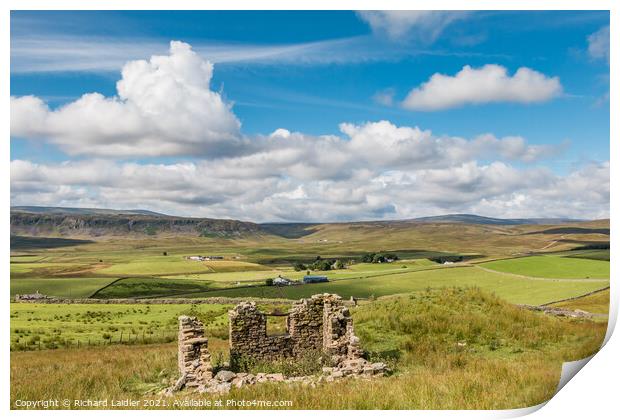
<point>312,116</point>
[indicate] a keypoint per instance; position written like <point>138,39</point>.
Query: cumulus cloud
<point>490,83</point>
<point>202,189</point>
<point>164,107</point>
<point>598,44</point>
<point>376,170</point>
<point>370,170</point>
<point>423,25</point>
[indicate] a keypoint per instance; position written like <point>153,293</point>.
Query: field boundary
<point>523,276</point>
<point>577,297</point>
<point>107,285</point>
<point>156,301</point>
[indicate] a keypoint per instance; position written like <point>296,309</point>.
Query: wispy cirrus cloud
<point>420,25</point>
<point>54,53</point>
<point>58,54</point>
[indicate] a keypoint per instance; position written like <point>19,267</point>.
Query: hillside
<point>80,211</point>
<point>96,225</point>
<point>94,222</point>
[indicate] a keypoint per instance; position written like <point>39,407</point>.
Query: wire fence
<point>107,339</point>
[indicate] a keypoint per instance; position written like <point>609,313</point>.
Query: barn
<point>315,279</point>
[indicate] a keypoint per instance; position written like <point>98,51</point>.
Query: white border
<point>592,394</point>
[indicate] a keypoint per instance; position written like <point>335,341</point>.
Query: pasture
<point>552,266</point>
<point>71,287</point>
<point>48,326</point>
<point>513,289</point>
<point>511,358</point>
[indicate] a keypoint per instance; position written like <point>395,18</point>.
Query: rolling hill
<point>95,222</point>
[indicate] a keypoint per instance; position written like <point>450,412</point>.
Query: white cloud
<point>164,107</point>
<point>598,44</point>
<point>490,83</point>
<point>52,53</point>
<point>203,189</point>
<point>423,25</point>
<point>372,170</point>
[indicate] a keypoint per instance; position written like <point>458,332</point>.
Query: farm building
<point>282,281</point>
<point>203,258</point>
<point>315,279</point>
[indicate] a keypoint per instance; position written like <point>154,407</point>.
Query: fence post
<point>121,337</point>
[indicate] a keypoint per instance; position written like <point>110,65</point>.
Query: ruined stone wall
<point>194,357</point>
<point>339,340</point>
<point>248,335</point>
<point>321,324</point>
<point>305,325</point>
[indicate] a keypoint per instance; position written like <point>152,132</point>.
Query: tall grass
<point>451,349</point>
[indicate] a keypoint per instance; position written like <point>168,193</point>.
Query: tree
<point>269,282</point>
<point>165,253</point>
<point>339,265</point>
<point>322,265</point>
<point>299,266</point>
<point>368,258</point>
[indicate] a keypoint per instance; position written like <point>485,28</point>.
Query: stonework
<point>248,335</point>
<point>321,324</point>
<point>194,357</point>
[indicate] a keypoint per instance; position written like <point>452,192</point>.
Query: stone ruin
<point>320,325</point>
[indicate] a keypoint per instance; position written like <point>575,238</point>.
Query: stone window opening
<point>277,324</point>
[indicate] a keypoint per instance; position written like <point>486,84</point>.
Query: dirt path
<point>552,243</point>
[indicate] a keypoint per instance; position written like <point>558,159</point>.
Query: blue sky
<point>309,72</point>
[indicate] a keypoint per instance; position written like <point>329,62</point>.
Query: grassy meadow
<point>508,358</point>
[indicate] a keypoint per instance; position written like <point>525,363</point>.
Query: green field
<point>73,287</point>
<point>513,289</point>
<point>48,326</point>
<point>552,266</point>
